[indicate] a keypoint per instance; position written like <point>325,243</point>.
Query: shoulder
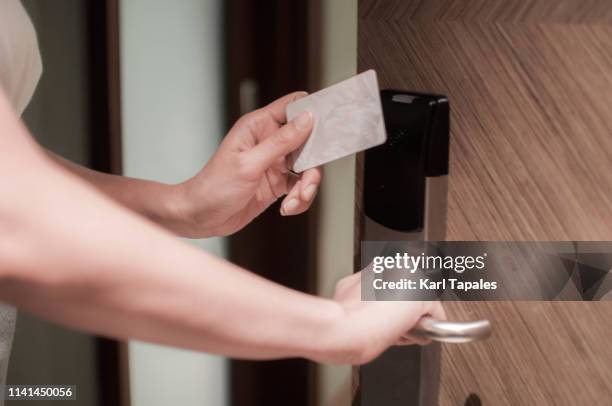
<point>20,61</point>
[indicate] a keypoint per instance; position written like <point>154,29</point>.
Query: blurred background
<point>148,88</point>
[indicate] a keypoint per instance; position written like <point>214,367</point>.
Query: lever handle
<point>452,332</point>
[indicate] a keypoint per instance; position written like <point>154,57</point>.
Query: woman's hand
<point>249,172</point>
<point>369,328</point>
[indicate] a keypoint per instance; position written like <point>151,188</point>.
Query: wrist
<point>198,210</point>
<point>329,340</point>
<point>177,212</point>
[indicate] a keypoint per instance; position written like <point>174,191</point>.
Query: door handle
<point>451,331</point>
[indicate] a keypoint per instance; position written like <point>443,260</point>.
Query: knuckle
<point>244,166</point>
<point>249,119</point>
<point>243,120</point>
<point>284,135</point>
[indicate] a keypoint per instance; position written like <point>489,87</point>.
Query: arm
<point>246,175</point>
<point>73,256</point>
<point>159,202</point>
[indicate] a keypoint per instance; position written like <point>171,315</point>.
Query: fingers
<point>311,179</point>
<point>292,204</point>
<point>302,193</point>
<point>435,310</point>
<point>277,109</point>
<point>285,140</point>
<point>407,339</point>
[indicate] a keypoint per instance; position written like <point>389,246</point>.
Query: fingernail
<point>309,192</point>
<point>290,206</point>
<point>302,122</point>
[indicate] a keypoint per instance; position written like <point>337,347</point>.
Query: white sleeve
<point>20,61</point>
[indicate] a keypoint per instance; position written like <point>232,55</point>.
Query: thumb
<point>285,140</point>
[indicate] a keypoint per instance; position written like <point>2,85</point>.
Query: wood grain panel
<point>530,85</point>
<point>488,11</point>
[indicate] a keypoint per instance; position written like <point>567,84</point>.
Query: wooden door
<point>272,50</point>
<point>530,87</point>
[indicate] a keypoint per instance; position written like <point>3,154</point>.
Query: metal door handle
<point>452,332</point>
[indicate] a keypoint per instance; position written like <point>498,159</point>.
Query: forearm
<point>159,202</point>
<point>71,255</point>
<point>104,270</point>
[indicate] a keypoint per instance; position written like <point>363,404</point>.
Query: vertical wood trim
<point>313,82</point>
<point>357,237</point>
<point>105,156</point>
<point>105,88</point>
<point>314,43</point>
<point>114,86</point>
<point>275,44</point>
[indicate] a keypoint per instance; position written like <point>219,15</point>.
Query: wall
<point>335,258</point>
<point>172,80</point>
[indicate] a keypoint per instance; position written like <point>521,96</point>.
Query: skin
<point>98,252</point>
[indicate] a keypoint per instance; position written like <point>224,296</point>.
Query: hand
<point>249,172</point>
<point>371,327</point>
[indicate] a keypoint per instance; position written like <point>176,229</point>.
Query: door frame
<point>105,156</point>
<point>273,48</point>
